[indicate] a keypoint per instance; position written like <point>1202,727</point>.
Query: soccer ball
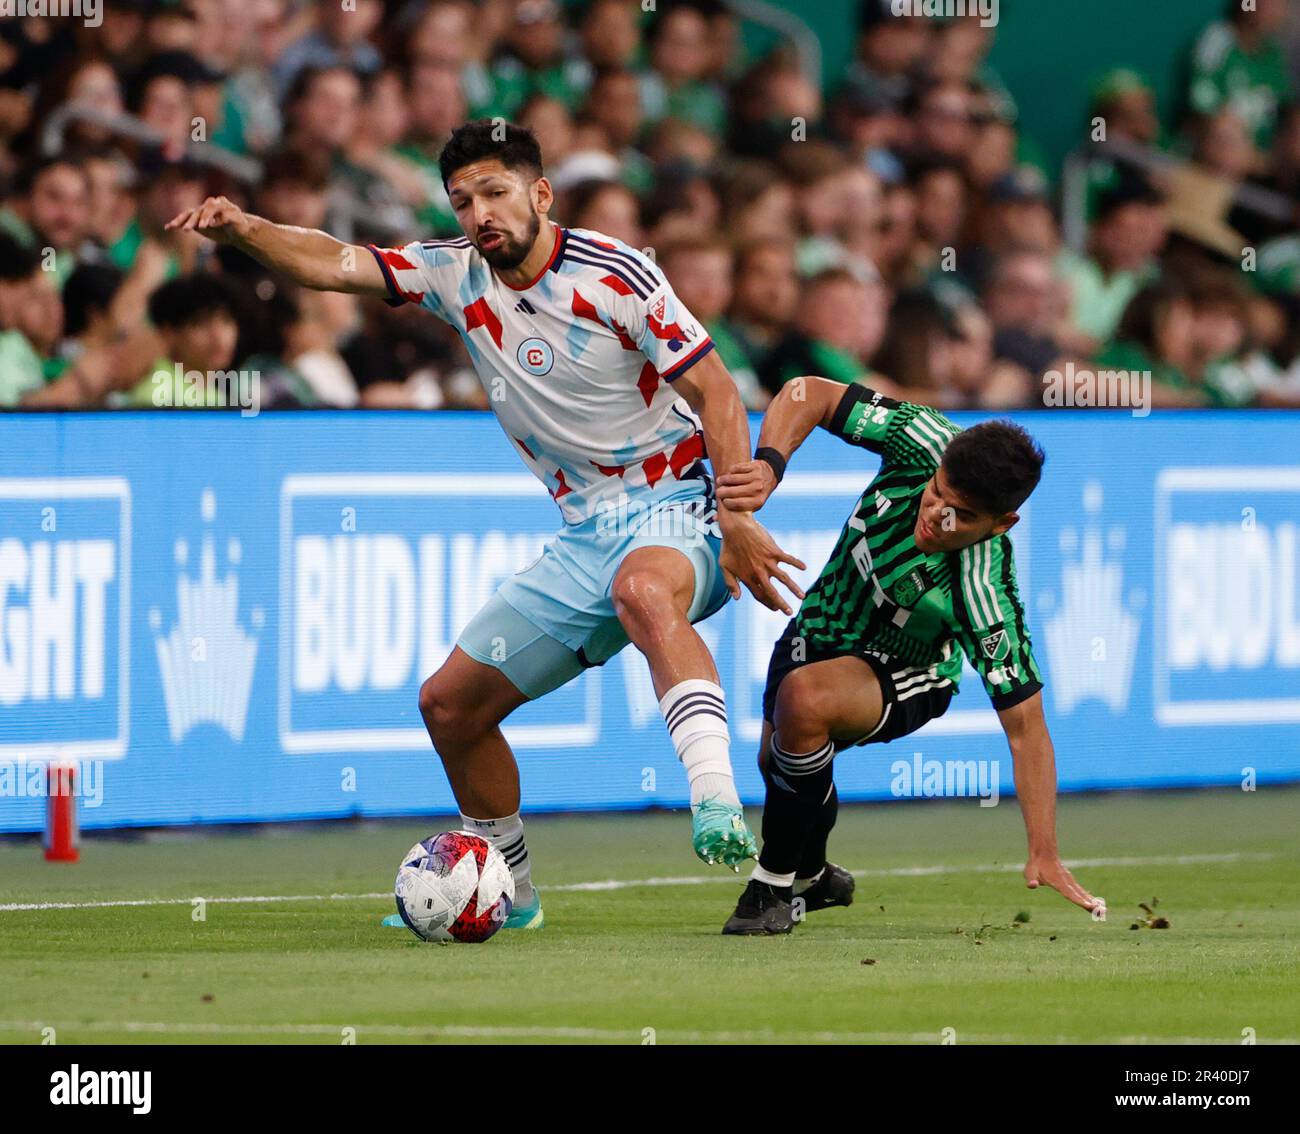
<point>454,886</point>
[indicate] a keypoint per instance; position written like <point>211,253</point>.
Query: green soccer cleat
<point>527,917</point>
<point>719,833</point>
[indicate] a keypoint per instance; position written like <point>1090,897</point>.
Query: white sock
<point>761,875</point>
<point>507,835</point>
<point>695,712</point>
<point>801,884</point>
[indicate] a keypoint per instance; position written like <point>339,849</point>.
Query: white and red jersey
<point>578,365</point>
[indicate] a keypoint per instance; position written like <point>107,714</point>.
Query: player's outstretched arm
<point>307,256</point>
<point>1035,769</point>
<point>802,404</point>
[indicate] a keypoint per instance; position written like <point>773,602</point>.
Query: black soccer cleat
<point>834,888</point>
<point>761,912</point>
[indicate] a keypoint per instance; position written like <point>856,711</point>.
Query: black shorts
<point>912,694</point>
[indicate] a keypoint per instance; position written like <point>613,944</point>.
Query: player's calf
<point>652,595</point>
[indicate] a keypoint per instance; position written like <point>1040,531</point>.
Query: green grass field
<point>938,895</point>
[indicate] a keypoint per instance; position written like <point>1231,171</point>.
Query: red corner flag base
<point>61,835</point>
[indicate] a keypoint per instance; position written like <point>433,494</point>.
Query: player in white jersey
<point>614,397</point>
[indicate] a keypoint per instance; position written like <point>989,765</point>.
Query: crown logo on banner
<point>207,659</point>
<point>1092,637</point>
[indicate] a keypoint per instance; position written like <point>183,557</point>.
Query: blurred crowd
<point>896,228</point>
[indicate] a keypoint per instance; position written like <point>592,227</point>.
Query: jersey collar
<point>551,265</point>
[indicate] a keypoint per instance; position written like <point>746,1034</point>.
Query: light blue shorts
<point>552,620</point>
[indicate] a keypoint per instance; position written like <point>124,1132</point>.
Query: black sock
<point>814,851</point>
<point>796,790</point>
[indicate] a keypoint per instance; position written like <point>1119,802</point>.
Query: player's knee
<point>449,716</point>
<point>641,596</point>
<point>802,707</point>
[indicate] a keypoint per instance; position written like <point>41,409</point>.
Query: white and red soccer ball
<point>454,886</point>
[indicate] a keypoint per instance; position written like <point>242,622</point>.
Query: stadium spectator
<point>680,85</point>
<point>765,296</point>
<point>87,309</point>
<point>943,121</point>
<point>1157,336</point>
<point>1128,234</point>
<point>611,36</point>
<point>889,49</point>
<point>22,305</point>
<point>700,271</point>
<point>534,60</point>
<point>667,128</point>
<point>195,319</point>
<point>839,326</point>
<point>605,206</point>
<point>340,39</point>
<point>1024,300</point>
<point>614,106</point>
<point>50,212</point>
<point>1238,64</point>
<point>1124,101</point>
<point>1223,145</point>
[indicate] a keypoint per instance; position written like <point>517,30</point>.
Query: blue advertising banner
<point>228,619</point>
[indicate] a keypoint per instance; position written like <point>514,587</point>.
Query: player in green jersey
<point>921,575</point>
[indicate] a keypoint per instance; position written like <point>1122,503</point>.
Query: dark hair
<point>1141,319</point>
<point>904,355</point>
<point>17,261</point>
<point>183,301</point>
<point>579,198</point>
<point>995,464</point>
<point>309,168</point>
<point>26,178</point>
<point>90,289</point>
<point>301,86</point>
<point>477,141</point>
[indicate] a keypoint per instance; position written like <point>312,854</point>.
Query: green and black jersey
<point>880,594</point>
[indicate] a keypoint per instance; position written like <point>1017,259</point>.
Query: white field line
<point>615,1035</point>
<point>632,883</point>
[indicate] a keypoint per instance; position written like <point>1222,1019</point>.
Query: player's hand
<point>218,218</point>
<point>1048,870</point>
<point>750,556</point>
<point>745,487</point>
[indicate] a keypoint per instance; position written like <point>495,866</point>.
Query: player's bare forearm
<point>1035,770</point>
<point>803,404</point>
<point>749,554</point>
<point>309,257</point>
<point>710,391</point>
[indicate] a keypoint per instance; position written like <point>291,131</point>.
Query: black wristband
<point>772,457</point>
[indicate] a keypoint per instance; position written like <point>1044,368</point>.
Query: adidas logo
<point>1092,637</point>
<point>526,307</point>
<point>207,658</point>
